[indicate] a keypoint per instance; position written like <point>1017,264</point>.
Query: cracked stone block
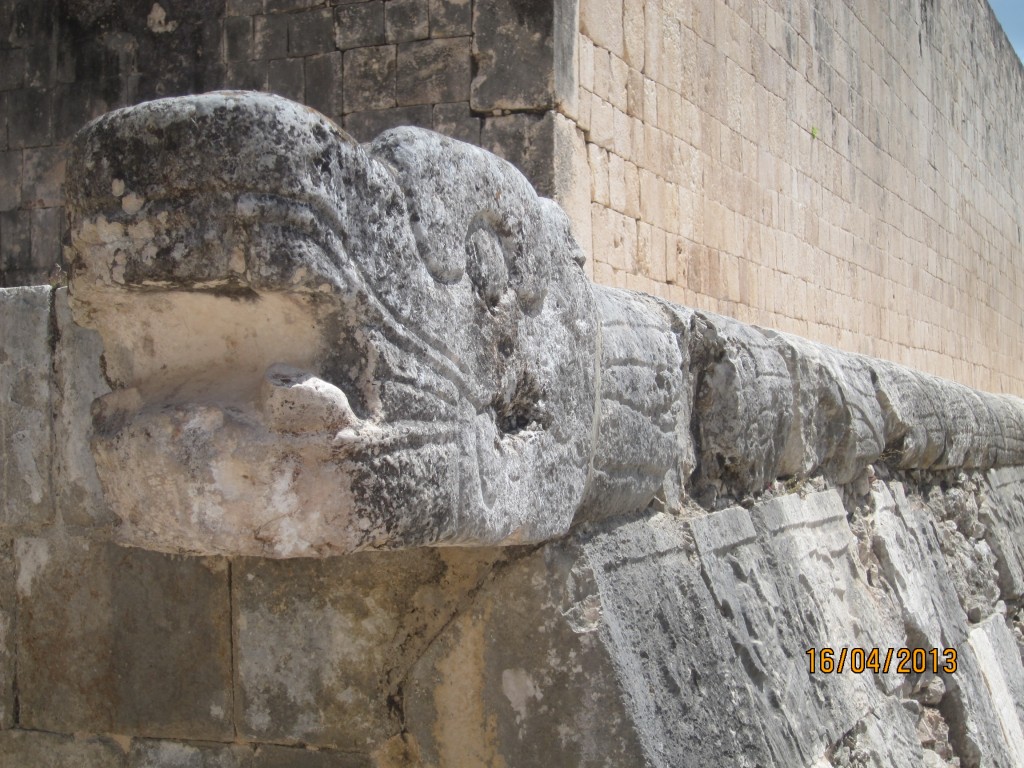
<point>115,640</point>
<point>1002,668</point>
<point>32,749</point>
<point>370,78</point>
<point>78,382</point>
<point>324,646</point>
<point>526,141</point>
<point>26,437</point>
<point>524,61</point>
<point>434,71</point>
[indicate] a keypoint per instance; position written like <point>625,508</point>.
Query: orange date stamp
<point>903,661</point>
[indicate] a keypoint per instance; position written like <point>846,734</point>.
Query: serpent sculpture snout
<point>317,347</point>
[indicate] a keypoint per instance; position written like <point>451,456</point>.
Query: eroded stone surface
<point>31,748</point>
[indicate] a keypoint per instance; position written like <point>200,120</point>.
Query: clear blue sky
<point>1011,15</point>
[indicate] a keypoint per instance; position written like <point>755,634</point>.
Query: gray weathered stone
<point>323,647</point>
<point>324,84</point>
<point>487,427</point>
<point>113,640</point>
<point>456,120</point>
<point>10,179</point>
<point>33,749</point>
<point>451,18</point>
<point>26,435</point>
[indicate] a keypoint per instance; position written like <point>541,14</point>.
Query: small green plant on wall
<point>814,131</point>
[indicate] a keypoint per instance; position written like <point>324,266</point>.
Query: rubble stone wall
<point>850,172</point>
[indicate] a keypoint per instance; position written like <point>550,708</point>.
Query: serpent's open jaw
<point>318,348</point>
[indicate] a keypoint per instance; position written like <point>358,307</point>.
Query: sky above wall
<point>1011,15</point>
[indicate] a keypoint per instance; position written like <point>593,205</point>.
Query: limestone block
<point>324,646</point>
<point>359,24</point>
<point>311,32</point>
<point>116,640</point>
<point>1002,512</point>
<point>527,141</point>
<point>78,381</point>
<point>10,180</point>
<point>914,430</point>
<point>26,439</point>
<point>434,71</point>
<point>525,60</point>
<point>7,636</point>
<point>370,78</point>
<point>406,20</point>
<point>324,83</point>
<point>32,749</point>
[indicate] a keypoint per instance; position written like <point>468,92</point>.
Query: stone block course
<point>8,664</point>
<point>365,126</point>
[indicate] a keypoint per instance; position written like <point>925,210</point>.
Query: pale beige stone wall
<point>847,171</point>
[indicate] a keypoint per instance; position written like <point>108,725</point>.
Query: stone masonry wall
<point>370,65</point>
<point>849,171</point>
<point>667,637</point>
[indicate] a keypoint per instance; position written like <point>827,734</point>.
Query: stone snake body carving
<point>318,347</point>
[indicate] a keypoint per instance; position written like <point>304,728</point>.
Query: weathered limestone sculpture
<point>318,347</point>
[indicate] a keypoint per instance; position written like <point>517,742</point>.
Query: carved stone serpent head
<point>318,347</point>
